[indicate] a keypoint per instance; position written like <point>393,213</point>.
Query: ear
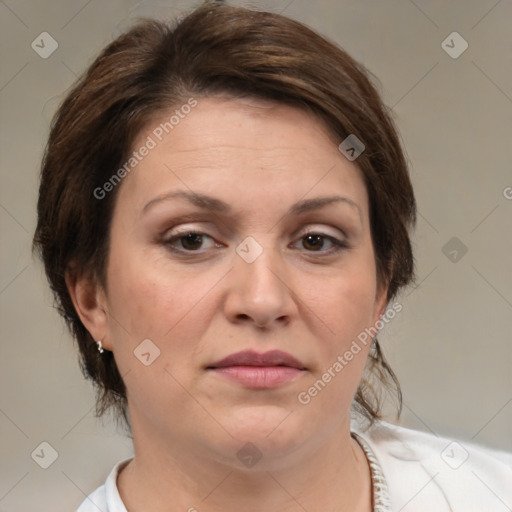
<point>381,296</point>
<point>90,304</point>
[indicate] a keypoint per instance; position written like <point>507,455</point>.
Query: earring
<point>100,347</point>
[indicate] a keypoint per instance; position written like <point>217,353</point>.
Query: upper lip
<point>252,358</point>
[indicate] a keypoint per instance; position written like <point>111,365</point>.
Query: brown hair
<point>216,49</point>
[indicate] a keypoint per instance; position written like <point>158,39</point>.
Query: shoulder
<point>106,498</point>
<point>95,501</point>
<point>428,472</point>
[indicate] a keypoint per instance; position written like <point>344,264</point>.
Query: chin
<point>274,431</point>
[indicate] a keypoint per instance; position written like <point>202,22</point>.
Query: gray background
<point>450,346</point>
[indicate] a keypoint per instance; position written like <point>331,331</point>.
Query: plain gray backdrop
<point>451,344</point>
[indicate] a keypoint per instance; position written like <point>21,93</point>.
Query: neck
<point>164,477</point>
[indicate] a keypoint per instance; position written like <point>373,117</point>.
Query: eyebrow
<point>213,204</point>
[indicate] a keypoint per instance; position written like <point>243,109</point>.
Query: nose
<point>260,292</point>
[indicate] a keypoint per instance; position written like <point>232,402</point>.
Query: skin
<point>202,305</point>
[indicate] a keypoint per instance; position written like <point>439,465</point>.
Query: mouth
<point>258,371</point>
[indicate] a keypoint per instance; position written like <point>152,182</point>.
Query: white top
<point>411,471</point>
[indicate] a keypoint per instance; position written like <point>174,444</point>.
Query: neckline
<point>381,501</point>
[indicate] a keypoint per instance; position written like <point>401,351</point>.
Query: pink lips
<point>258,371</point>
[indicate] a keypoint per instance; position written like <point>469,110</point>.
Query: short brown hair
<point>214,50</point>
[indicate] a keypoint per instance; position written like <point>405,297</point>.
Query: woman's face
<point>281,260</point>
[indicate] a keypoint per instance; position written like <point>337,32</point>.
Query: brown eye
<point>313,242</point>
<point>321,243</point>
<point>191,241</point>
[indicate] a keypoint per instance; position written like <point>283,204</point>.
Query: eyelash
<point>337,245</point>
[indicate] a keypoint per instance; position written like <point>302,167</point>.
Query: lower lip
<point>258,377</point>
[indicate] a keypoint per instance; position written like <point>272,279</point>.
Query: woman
<point>223,216</point>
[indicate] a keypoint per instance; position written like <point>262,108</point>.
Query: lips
<point>253,370</point>
<point>266,359</point>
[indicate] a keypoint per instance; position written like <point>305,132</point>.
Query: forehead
<point>245,150</point>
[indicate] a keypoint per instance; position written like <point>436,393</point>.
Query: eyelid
<point>180,231</point>
<point>315,229</point>
<point>321,229</point>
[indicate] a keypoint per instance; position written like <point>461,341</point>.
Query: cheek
<point>149,298</point>
<point>346,302</point>
<point>165,308</point>
<point>139,292</point>
<point>345,306</point>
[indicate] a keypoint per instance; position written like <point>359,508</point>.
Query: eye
<point>317,242</point>
<point>196,241</point>
<point>189,241</point>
